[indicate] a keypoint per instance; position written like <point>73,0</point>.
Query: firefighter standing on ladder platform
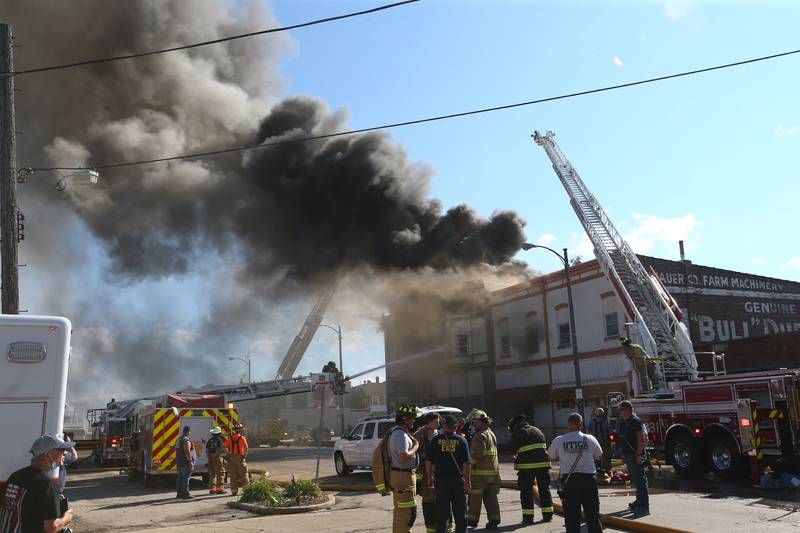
<point>646,366</point>
<point>531,463</point>
<point>485,473</point>
<point>236,445</point>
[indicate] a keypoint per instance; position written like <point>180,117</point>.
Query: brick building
<point>508,350</point>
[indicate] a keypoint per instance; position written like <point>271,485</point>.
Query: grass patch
<point>270,494</point>
<point>264,492</point>
<point>303,490</point>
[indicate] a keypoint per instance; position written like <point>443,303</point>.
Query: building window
<point>532,333</point>
<point>612,325</point>
<point>462,345</point>
<point>566,404</point>
<point>505,346</point>
<point>564,336</point>
<point>376,400</point>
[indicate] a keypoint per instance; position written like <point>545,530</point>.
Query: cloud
<point>546,239</point>
<point>794,261</point>
<point>758,260</point>
<point>786,132</point>
<point>678,9</point>
<point>617,61</point>
<point>653,231</point>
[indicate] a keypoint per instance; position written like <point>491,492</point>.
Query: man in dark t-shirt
<point>634,442</point>
<point>31,503</point>
<point>447,463</point>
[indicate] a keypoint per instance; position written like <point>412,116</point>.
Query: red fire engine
<point>712,422</point>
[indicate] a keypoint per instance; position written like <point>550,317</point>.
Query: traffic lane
<point>283,463</point>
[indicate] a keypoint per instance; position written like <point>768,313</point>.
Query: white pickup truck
<point>354,451</point>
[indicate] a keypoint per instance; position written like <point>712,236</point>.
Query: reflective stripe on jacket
<point>484,454</point>
<point>530,449</point>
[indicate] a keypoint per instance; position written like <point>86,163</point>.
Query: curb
<point>261,510</point>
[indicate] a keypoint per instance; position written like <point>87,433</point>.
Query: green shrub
<point>264,492</point>
<point>302,490</point>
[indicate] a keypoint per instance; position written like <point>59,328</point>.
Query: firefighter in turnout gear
<point>236,444</point>
<point>531,462</point>
<point>401,451</point>
<point>215,451</point>
<point>423,436</point>
<point>485,473</point>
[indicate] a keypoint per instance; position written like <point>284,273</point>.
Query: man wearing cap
<point>215,450</point>
<point>529,448</point>
<point>31,500</point>
<point>448,468</point>
<point>236,444</point>
<point>485,473</point>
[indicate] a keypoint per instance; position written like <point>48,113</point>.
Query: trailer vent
<point>27,352</point>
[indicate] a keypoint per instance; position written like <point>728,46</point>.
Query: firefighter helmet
<point>517,420</point>
<point>477,414</point>
<point>405,410</point>
<point>216,430</point>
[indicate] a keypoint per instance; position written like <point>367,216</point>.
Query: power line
<point>207,43</point>
<point>428,119</point>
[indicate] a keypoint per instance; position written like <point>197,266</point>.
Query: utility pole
<point>9,269</point>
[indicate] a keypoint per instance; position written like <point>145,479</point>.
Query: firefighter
<point>402,455</point>
<point>423,436</point>
<point>531,462</point>
<point>485,473</point>
<point>236,446</point>
<point>646,366</point>
<point>215,450</point>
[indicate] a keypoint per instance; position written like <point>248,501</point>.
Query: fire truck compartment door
<point>23,423</point>
<point>745,414</point>
<point>200,432</point>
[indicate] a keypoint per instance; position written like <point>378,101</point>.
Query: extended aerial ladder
<point>661,332</point>
<point>284,383</point>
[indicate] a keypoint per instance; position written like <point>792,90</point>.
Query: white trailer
<point>33,384</point>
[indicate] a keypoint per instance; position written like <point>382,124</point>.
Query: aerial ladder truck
<point>700,422</point>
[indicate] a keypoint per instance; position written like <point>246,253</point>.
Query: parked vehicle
<point>354,451</point>
<point>156,425</point>
<point>33,384</point>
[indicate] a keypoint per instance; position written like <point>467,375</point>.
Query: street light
<point>573,337</point>
<point>338,331</point>
<point>244,361</point>
<point>83,176</point>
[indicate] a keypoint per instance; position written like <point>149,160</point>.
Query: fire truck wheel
<point>684,454</point>
<point>341,466</point>
<point>724,457</point>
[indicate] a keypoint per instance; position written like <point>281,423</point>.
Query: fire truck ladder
<point>663,332</point>
<point>300,343</point>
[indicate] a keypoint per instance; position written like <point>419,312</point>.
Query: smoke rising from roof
<point>246,227</point>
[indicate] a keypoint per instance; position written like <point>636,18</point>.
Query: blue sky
<point>711,159</point>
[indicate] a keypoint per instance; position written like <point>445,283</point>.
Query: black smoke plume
<point>249,226</point>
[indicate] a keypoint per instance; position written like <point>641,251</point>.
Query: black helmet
<point>407,410</point>
<point>516,421</point>
<point>624,341</point>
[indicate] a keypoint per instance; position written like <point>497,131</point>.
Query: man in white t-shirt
<point>576,452</point>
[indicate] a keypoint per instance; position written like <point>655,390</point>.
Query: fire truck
<point>109,428</point>
<point>156,425</point>
<point>699,422</point>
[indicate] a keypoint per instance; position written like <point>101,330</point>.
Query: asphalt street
<point>106,501</point>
